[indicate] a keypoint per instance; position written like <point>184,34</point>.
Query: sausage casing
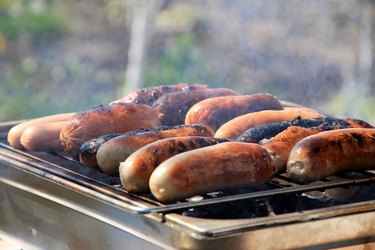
<point>216,111</point>
<point>116,118</point>
<point>136,170</point>
<point>213,168</point>
<point>330,152</point>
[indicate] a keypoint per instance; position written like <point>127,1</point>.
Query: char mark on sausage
<point>256,134</point>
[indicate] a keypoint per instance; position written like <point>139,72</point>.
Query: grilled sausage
<point>281,145</point>
<point>43,137</point>
<point>173,107</point>
<point>150,95</point>
<point>256,134</point>
<point>88,150</point>
<point>213,168</point>
<point>116,150</point>
<point>357,123</point>
<point>14,134</point>
<point>101,120</point>
<point>217,110</point>
<point>235,127</point>
<point>331,152</point>
<point>136,170</point>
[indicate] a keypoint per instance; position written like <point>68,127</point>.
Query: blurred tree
<point>143,13</point>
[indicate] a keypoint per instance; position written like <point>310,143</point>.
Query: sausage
<point>136,170</point>
<point>173,107</point>
<point>216,111</point>
<point>281,145</point>
<point>43,137</point>
<point>256,134</point>
<point>88,150</point>
<point>116,150</point>
<point>331,152</point>
<point>235,127</point>
<point>357,123</point>
<point>213,168</point>
<point>150,95</point>
<point>116,118</point>
<point>14,134</point>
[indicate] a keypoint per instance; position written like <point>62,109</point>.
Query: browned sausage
<point>136,170</point>
<point>173,107</point>
<point>330,152</point>
<point>43,137</point>
<point>116,150</point>
<point>101,120</point>
<point>217,110</point>
<point>235,127</point>
<point>150,95</point>
<point>213,168</point>
<point>14,134</point>
<point>281,145</point>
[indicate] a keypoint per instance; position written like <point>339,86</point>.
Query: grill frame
<point>107,208</point>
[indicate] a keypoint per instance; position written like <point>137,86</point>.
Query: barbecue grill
<point>50,200</point>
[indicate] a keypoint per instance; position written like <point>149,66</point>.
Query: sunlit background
<point>63,56</point>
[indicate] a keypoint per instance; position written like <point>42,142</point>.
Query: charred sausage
<point>357,123</point>
<point>267,131</point>
<point>136,170</point>
<point>15,133</point>
<point>331,152</point>
<point>116,150</point>
<point>235,127</point>
<point>150,95</point>
<point>216,111</point>
<point>88,150</point>
<point>213,168</point>
<point>281,145</point>
<point>116,118</point>
<point>173,107</point>
<point>43,137</point>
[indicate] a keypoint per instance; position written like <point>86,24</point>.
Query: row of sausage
<point>182,140</point>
